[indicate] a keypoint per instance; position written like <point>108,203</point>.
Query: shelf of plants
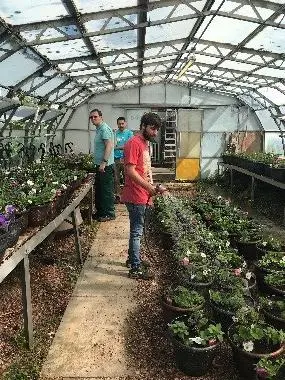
<point>34,201</point>
<point>230,286</point>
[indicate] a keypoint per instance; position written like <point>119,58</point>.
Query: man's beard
<point>148,137</point>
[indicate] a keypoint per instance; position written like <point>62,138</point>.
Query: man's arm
<point>108,149</point>
<point>134,175</point>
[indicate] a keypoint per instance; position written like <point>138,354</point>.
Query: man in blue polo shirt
<point>104,162</point>
<point>122,135</point>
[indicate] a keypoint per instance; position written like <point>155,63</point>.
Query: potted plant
<point>273,308</point>
<point>252,339</point>
<point>225,305</point>
<point>195,341</point>
<point>271,244</point>
<point>247,242</point>
<point>238,279</point>
<point>271,262</point>
<point>275,283</point>
<point>229,259</point>
<point>199,278</point>
<point>179,300</point>
<point>270,369</point>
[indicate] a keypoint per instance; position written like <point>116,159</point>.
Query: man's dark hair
<point>96,110</point>
<point>121,118</point>
<point>150,118</point>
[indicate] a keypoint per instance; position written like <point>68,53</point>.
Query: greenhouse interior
<point>142,193</point>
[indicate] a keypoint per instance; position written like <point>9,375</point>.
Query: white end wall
<point>221,114</point>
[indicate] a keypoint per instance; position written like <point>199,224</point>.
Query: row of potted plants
<point>209,267</point>
<point>36,194</point>
<point>267,164</point>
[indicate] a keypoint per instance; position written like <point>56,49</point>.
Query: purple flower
<point>4,223</point>
<point>261,372</point>
<point>10,209</point>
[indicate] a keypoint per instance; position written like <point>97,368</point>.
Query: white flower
<point>248,275</point>
<point>75,177</point>
<point>227,243</point>
<point>34,190</point>
<point>283,259</point>
<point>29,201</point>
<point>235,319</point>
<point>55,183</point>
<point>192,276</point>
<point>64,186</point>
<point>219,197</point>
<point>203,255</point>
<point>30,183</point>
<point>53,191</point>
<point>197,340</point>
<point>264,243</point>
<point>248,346</point>
<point>188,253</point>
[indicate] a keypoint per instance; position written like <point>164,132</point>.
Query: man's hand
<point>102,167</point>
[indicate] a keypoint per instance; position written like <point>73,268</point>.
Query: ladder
<point>169,153</point>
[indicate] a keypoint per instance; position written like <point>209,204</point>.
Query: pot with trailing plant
<point>275,283</point>
<point>247,243</point>
<point>271,262</point>
<point>270,369</point>
<point>273,309</point>
<point>237,279</point>
<point>178,300</point>
<point>252,339</point>
<point>195,341</point>
<point>225,305</point>
<point>270,244</point>
<point>197,277</point>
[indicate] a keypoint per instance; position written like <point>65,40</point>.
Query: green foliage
<point>185,298</point>
<point>274,261</point>
<point>231,301</point>
<point>271,244</point>
<point>275,279</point>
<point>180,330</point>
<point>270,367</point>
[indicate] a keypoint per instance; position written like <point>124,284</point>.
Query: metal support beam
<point>34,75</point>
<point>27,301</point>
<point>77,238</point>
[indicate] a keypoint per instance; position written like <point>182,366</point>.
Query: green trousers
<point>104,192</point>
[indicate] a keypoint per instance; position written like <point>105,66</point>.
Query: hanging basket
<point>39,215</point>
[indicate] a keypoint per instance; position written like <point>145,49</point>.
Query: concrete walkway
<point>90,340</point>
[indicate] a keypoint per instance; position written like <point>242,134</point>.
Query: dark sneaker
<point>144,263</point>
<point>140,274</point>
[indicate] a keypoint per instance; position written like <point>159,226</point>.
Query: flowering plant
<point>276,279</point>
<point>273,261</point>
<point>274,305</point>
<point>231,300</point>
<point>182,297</point>
<point>271,368</point>
<point>196,330</point>
<point>271,244</point>
<point>7,217</point>
<point>251,333</point>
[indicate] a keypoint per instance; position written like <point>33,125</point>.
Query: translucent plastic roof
<point>65,51</point>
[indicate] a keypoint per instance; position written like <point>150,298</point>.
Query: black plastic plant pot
<point>167,240</point>
<point>276,290</point>
<point>278,174</point>
<point>258,168</point>
<point>267,171</point>
<point>171,312</point>
<point>247,250</point>
<point>193,361</point>
<point>245,362</point>
<point>224,317</point>
<point>274,320</point>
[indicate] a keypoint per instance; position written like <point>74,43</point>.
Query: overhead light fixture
<point>190,62</point>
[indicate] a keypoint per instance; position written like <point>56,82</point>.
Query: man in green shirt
<point>104,162</point>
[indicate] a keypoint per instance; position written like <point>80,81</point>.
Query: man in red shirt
<point>139,188</point>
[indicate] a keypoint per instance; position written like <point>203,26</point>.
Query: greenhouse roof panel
<point>20,12</point>
<point>49,48</point>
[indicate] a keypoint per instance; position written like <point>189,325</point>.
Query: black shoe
<point>144,263</point>
<point>106,218</point>
<point>140,274</point>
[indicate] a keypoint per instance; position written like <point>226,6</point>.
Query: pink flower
<point>185,261</point>
<point>261,372</point>
<point>237,271</point>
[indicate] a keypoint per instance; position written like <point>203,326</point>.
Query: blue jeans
<point>136,216</point>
